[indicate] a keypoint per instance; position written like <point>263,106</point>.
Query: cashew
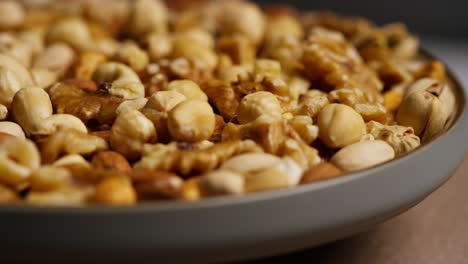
<point>340,125</point>
<point>125,82</point>
<point>257,104</point>
<point>57,58</point>
<point>11,15</point>
<point>12,129</point>
<point>49,178</point>
<point>250,162</point>
<point>189,88</point>
<point>55,122</point>
<point>72,31</point>
<point>286,173</point>
<point>20,71</point>
<point>18,158</point>
<point>130,131</point>
<point>10,83</point>
<point>191,121</point>
<point>220,182</point>
<point>10,45</point>
<point>71,159</point>
<point>362,155</point>
<point>44,77</point>
<point>136,104</point>
<point>30,107</point>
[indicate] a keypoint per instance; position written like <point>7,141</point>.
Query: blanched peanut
<point>340,125</point>
<point>49,178</point>
<point>125,82</point>
<point>18,158</point>
<point>11,15</point>
<point>55,122</point>
<point>115,190</point>
<point>11,46</point>
<point>191,121</point>
<point>57,58</point>
<point>254,105</point>
<point>362,155</point>
<point>221,182</point>
<point>130,131</point>
<point>132,55</point>
<point>12,129</point>
<point>189,88</point>
<point>30,107</point>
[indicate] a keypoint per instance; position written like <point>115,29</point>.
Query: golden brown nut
<point>115,190</point>
<point>257,104</point>
<point>191,121</point>
<point>87,64</point>
<point>221,182</point>
<point>188,88</point>
<point>132,55</point>
<point>156,184</point>
<point>12,15</point>
<point>72,31</point>
<point>7,195</point>
<point>124,81</point>
<point>147,16</point>
<point>110,160</point>
<point>49,178</point>
<point>10,83</point>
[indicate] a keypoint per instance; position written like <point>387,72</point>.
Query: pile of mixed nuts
<point>115,101</point>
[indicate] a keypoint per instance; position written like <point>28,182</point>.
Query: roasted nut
<point>7,195</point>
<point>190,89</point>
<point>204,56</point>
<point>125,82</point>
<point>191,121</point>
<point>49,178</point>
<point>20,71</point>
<point>11,46</point>
<point>70,141</point>
<point>87,64</point>
<point>130,131</point>
<point>147,16</point>
<point>110,160</point>
<point>156,184</point>
<point>12,129</point>
<point>257,104</point>
<point>401,138</point>
<point>115,190</point>
<point>223,97</point>
<point>135,104</point>
<point>18,158</point>
<point>11,15</point>
<point>303,125</point>
<point>320,172</point>
<point>30,107</point>
<point>164,101</point>
<point>53,123</point>
<point>250,162</point>
<point>112,17</point>
<point>3,112</point>
<point>240,49</point>
<point>132,55</point>
<point>218,130</point>
<point>57,58</point>
<point>191,190</point>
<point>339,125</point>
<point>392,100</point>
<point>72,31</point>
<point>221,182</point>
<point>363,155</point>
<point>243,18</point>
<point>159,45</point>
<point>71,159</point>
<point>69,196</point>
<point>10,83</point>
<point>311,103</point>
<point>44,77</point>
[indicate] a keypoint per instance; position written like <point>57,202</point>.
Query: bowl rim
<point>233,200</point>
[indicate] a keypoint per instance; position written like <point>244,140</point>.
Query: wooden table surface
<point>435,231</point>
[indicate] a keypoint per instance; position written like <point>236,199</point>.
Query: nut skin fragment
<point>191,121</point>
<point>111,160</point>
<point>30,106</point>
<point>130,131</point>
<point>320,172</point>
<point>339,125</point>
<point>362,155</point>
<point>115,190</point>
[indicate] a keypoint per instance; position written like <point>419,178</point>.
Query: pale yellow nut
<point>106,46</point>
<point>125,82</point>
<point>250,162</point>
<point>297,86</point>
<point>7,195</point>
<point>267,68</point>
<point>132,55</point>
<point>283,27</point>
<point>204,56</point>
<point>18,158</point>
<point>72,31</point>
<point>10,83</point>
<point>135,104</point>
<point>55,122</point>
<point>188,88</point>
<point>281,175</point>
<point>44,77</point>
<point>12,129</point>
<point>115,190</point>
<point>87,63</point>
<point>147,16</point>
<point>164,101</point>
<point>12,46</point>
<point>159,45</point>
<point>191,121</point>
<point>3,112</point>
<point>362,155</point>
<point>221,182</point>
<point>33,38</point>
<point>254,105</point>
<point>69,196</point>
<point>130,131</point>
<point>311,103</point>
<point>57,58</point>
<point>232,73</point>
<point>198,36</point>
<point>244,18</point>
<point>304,127</point>
<point>71,159</point>
<point>30,107</point>
<point>340,125</point>
<point>12,15</point>
<point>49,178</point>
<point>20,71</point>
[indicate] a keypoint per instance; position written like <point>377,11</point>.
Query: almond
<point>320,172</point>
<point>156,184</point>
